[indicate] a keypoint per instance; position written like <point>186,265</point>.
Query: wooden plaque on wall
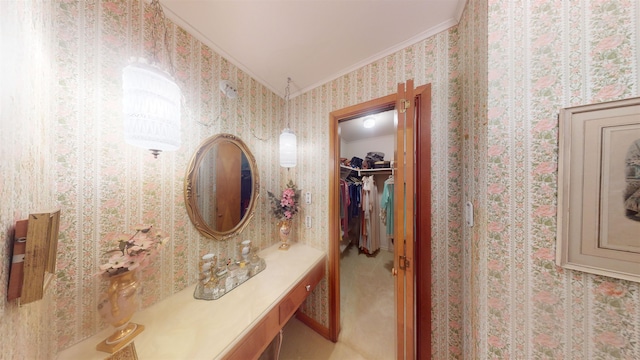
<point>39,262</point>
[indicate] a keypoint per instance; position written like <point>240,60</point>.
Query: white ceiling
<point>310,41</point>
<point>354,130</point>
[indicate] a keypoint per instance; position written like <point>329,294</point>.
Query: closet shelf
<point>345,171</point>
<point>382,171</point>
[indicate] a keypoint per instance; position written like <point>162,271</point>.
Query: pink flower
<point>544,82</point>
<point>545,211</point>
<point>544,254</point>
<point>455,350</point>
<point>132,264</point>
<point>610,42</point>
<point>546,340</point>
<point>494,113</point>
<point>494,74</point>
<point>495,303</point>
<point>495,36</point>
<point>495,150</point>
<point>115,261</point>
<point>611,92</point>
<point>545,168</point>
<point>608,288</point>
<point>544,39</point>
<point>112,7</point>
<point>112,204</point>
<point>495,227</point>
<point>286,202</point>
<point>545,125</point>
<point>495,265</point>
<point>285,206</point>
<point>133,251</point>
<point>495,341</point>
<point>495,189</point>
<point>545,297</point>
<point>610,338</point>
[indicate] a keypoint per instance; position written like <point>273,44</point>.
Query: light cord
<point>159,23</point>
<point>287,93</point>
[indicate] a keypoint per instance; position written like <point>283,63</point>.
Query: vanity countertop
<point>181,327</point>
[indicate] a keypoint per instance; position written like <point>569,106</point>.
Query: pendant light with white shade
<point>288,144</point>
<point>151,97</point>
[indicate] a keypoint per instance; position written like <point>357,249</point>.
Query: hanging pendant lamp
<point>151,98</point>
<point>288,148</point>
<point>288,143</point>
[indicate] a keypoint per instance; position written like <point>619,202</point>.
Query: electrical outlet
<point>307,197</point>
<point>307,221</point>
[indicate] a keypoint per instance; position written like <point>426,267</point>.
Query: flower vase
<point>117,307</point>
<point>285,234</point>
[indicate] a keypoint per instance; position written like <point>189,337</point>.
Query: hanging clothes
<point>386,206</point>
<point>355,191</point>
<point>370,233</point>
<point>345,202</point>
<point>350,195</point>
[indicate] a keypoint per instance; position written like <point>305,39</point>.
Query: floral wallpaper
<point>104,185</point>
<point>62,148</point>
<point>435,60</point>
<point>543,56</point>
<point>498,80</point>
<point>474,61</point>
<point>26,163</point>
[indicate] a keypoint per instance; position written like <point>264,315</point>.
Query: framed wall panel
<point>599,189</point>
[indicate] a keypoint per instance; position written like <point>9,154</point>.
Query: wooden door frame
<point>423,316</point>
<point>423,227</point>
<point>370,107</point>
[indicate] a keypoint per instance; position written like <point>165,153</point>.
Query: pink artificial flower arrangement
<point>134,251</point>
<point>286,206</point>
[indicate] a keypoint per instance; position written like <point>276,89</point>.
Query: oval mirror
<point>221,187</point>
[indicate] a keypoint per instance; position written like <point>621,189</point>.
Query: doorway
<point>414,331</point>
<point>367,307</point>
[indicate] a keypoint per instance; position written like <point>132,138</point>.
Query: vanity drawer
<point>257,340</point>
<point>294,299</point>
<point>254,343</point>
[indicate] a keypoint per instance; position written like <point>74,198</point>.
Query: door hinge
<point>403,262</point>
<point>404,105</point>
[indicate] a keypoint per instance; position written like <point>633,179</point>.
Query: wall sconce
<point>151,98</point>
<point>229,90</point>
<point>288,143</point>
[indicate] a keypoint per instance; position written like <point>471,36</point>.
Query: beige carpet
<point>367,315</point>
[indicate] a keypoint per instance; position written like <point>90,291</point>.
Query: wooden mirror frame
<point>191,184</point>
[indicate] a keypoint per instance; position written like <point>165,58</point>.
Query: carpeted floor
<point>367,315</point>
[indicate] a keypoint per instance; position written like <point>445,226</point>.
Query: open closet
<point>411,266</point>
<point>366,182</point>
<point>366,228</point>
